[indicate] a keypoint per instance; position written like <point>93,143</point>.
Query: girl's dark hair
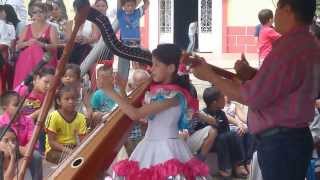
<point>63,89</point>
<point>105,1</point>
<point>11,15</point>
<point>78,4</point>
<point>7,96</point>
<point>73,67</point>
<point>45,71</point>
<point>62,7</point>
<point>39,4</point>
<point>211,94</point>
<point>170,54</point>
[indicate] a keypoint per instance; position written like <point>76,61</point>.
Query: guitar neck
<point>193,61</point>
<point>224,73</point>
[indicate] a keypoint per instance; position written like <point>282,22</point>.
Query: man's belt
<point>284,130</point>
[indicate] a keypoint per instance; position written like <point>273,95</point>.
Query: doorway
<point>185,12</point>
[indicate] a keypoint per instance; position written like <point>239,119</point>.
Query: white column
<point>153,24</point>
<point>217,20</point>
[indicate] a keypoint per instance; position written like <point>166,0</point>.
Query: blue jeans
<point>42,141</point>
<point>285,155</point>
<point>227,146</point>
<point>35,166</point>
<point>124,64</point>
<point>123,68</point>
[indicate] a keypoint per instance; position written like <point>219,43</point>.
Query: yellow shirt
<point>66,132</point>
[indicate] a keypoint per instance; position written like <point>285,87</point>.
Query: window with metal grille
<point>165,16</point>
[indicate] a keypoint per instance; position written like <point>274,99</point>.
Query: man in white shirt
<point>193,28</point>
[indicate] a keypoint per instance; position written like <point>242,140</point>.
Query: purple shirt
<point>283,92</point>
<point>23,127</point>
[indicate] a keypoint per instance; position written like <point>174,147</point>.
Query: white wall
<point>153,24</point>
<point>245,12</point>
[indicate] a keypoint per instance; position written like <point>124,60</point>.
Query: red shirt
<point>267,36</point>
<point>34,100</point>
<point>283,92</point>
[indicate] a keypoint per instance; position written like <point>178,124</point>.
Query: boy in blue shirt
<point>129,24</point>
<point>100,102</point>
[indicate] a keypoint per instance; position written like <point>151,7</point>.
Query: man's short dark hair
<point>211,94</point>
<point>265,15</point>
<point>303,9</point>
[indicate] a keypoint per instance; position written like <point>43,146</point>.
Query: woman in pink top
<point>35,39</point>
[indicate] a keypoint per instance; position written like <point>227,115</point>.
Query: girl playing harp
<point>161,154</point>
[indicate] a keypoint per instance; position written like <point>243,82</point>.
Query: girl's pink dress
<point>32,55</point>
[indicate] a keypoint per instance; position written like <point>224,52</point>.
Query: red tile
<point>231,40</point>
<point>251,40</point>
<point>236,30</point>
<point>236,49</point>
<point>248,40</point>
<point>225,49</point>
<point>241,40</point>
<point>252,49</point>
<point>251,30</point>
<point>224,42</point>
<point>229,48</point>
